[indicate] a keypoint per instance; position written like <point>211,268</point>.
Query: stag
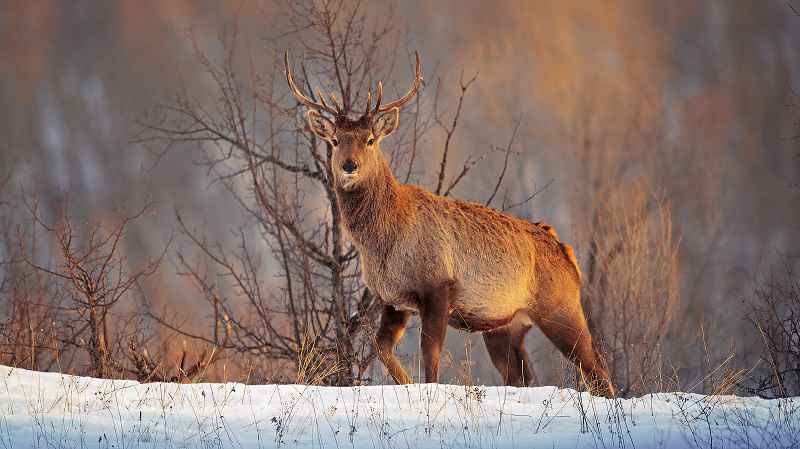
<point>453,262</point>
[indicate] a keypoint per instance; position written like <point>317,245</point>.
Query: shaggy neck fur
<point>374,211</point>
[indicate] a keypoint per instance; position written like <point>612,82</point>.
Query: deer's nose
<point>349,166</point>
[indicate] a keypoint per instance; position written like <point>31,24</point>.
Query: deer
<point>453,262</point>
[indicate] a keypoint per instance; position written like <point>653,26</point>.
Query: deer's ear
<point>320,125</point>
<point>386,123</point>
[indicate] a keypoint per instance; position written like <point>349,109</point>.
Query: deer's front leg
<point>393,324</point>
<point>435,312</point>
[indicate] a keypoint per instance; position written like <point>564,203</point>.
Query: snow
<point>50,410</point>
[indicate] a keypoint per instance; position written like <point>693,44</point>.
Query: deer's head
<point>355,143</point>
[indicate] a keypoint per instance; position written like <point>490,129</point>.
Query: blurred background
<point>657,137</point>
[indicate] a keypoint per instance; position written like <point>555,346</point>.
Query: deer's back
<point>500,263</point>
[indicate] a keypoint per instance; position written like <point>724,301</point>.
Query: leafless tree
<point>775,314</point>
<point>85,279</point>
<point>309,293</point>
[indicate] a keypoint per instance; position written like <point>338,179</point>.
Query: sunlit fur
<point>508,273</point>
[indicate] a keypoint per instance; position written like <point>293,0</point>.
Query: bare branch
<point>449,131</point>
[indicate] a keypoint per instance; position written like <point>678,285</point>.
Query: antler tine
<point>379,96</point>
<point>408,96</point>
<point>334,102</point>
<point>321,97</point>
<point>369,102</point>
<point>301,97</point>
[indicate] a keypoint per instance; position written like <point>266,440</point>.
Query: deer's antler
<point>334,107</point>
<point>400,102</point>
<point>322,105</point>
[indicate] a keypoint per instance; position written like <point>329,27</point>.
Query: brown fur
<point>568,252</point>
<point>454,262</point>
<point>500,267</point>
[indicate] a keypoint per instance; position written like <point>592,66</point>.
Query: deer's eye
<point>370,141</point>
<point>335,142</point>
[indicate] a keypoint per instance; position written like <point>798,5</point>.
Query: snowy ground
<point>47,410</point>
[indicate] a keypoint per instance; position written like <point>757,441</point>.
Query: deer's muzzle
<point>350,167</point>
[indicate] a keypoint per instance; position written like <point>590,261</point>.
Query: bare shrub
<point>29,304</point>
<point>72,293</point>
<point>631,284</point>
<point>775,314</point>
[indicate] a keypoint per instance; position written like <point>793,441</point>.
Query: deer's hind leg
<point>564,324</point>
<point>506,346</point>
<point>393,325</point>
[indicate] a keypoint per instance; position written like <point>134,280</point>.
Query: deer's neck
<point>375,211</point>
